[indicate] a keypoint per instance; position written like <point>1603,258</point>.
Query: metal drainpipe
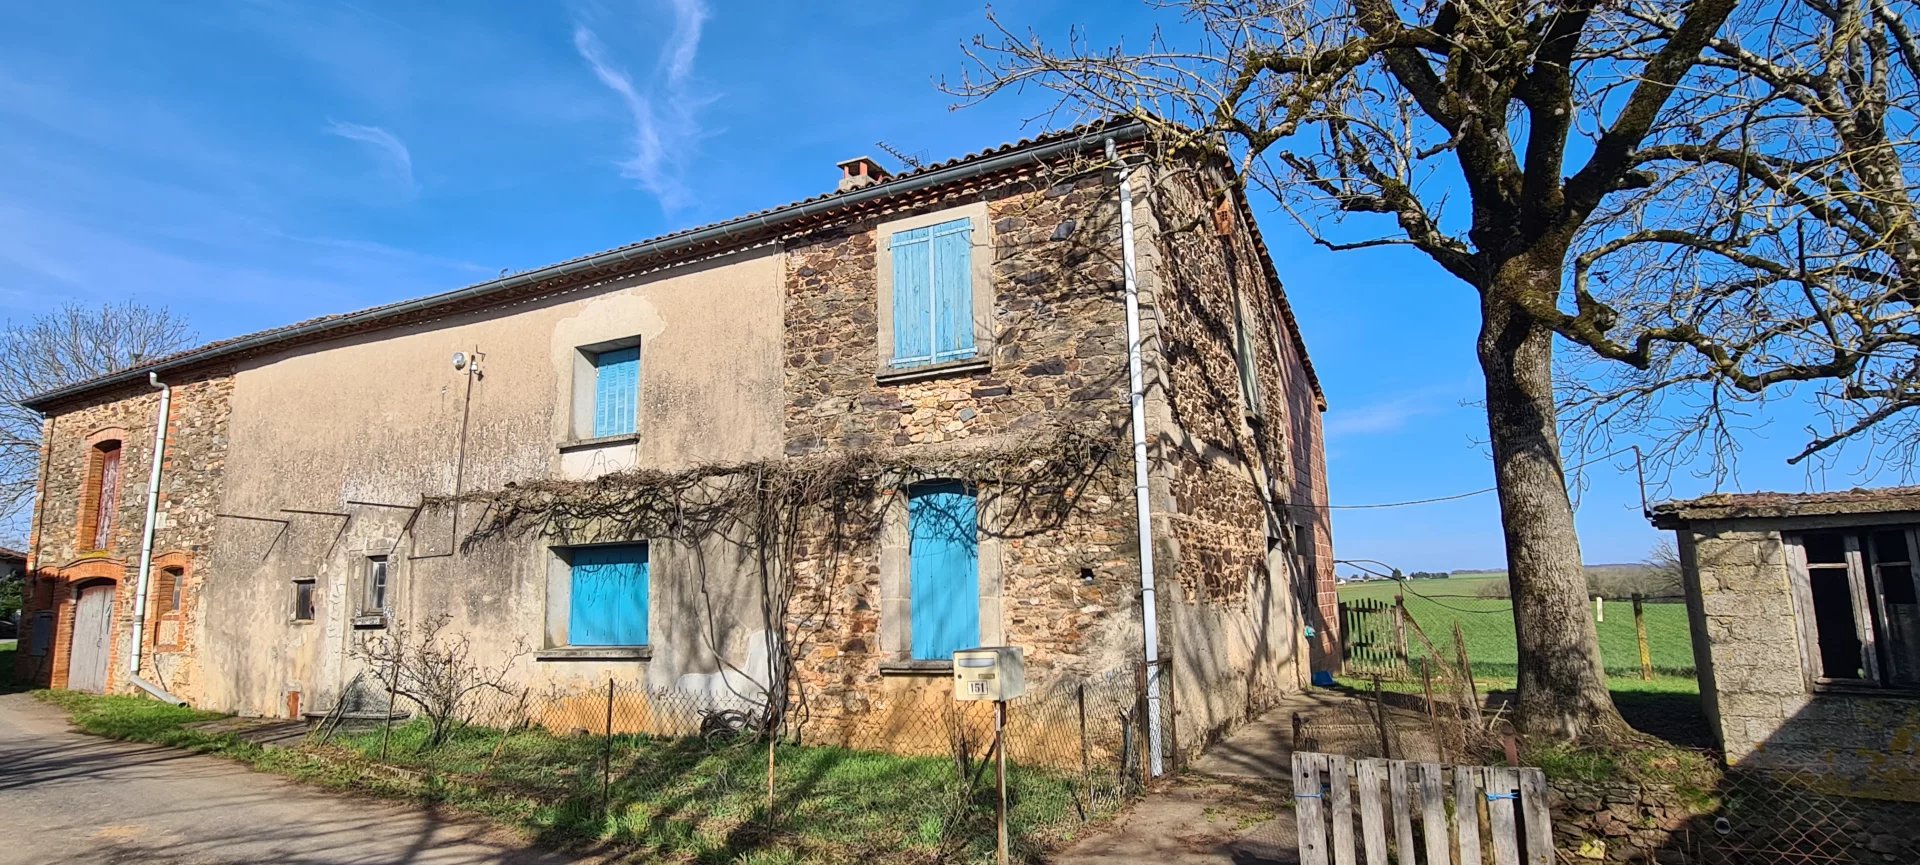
<point>1149,609</point>
<point>146,539</point>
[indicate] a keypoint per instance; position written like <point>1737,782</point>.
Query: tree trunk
<point>1563,687</point>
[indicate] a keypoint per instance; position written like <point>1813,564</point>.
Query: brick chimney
<point>861,171</point>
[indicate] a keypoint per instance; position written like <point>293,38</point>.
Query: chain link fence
<point>700,774</point>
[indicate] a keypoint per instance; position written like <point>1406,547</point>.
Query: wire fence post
<point>393,683</point>
<point>773,739</point>
<point>606,758</point>
<point>1086,761</point>
<point>1380,718</point>
<point>1000,773</point>
<point>1400,629</point>
<point>1140,712</point>
<point>1640,634</point>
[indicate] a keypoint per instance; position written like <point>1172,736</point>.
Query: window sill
<point>916,668</point>
<point>903,375</point>
<point>370,621</point>
<point>299,621</point>
<point>599,442</point>
<point>595,653</point>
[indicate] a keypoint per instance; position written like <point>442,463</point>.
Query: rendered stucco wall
<point>366,428</point>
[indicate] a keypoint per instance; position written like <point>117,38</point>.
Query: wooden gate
<point>92,635</point>
<point>1372,637</point>
<point>1499,814</point>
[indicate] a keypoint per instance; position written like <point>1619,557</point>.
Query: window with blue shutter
<point>607,603</point>
<point>616,391</point>
<point>933,294</point>
<point>944,531</point>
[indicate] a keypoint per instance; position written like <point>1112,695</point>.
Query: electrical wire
<point>1457,496</point>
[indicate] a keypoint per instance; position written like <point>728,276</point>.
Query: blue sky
<point>250,164</point>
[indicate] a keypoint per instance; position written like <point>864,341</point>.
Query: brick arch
<point>107,434</point>
<point>69,580</point>
<point>93,569</point>
<point>87,528</point>
<point>166,631</point>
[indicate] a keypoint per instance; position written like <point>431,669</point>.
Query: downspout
<point>1142,501</point>
<point>146,539</point>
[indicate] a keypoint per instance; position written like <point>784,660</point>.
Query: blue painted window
<point>608,599</point>
<point>933,294</point>
<point>616,391</point>
<point>944,531</point>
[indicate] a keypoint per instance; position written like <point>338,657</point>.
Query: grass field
<point>669,800</point>
<point>1487,624</point>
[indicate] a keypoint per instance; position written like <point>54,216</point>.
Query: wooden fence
<point>1499,813</point>
<point>1373,637</point>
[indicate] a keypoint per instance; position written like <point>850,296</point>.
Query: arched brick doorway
<point>92,646</point>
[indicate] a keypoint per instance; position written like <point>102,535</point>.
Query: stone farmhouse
<point>1806,630</point>
<point>815,448</point>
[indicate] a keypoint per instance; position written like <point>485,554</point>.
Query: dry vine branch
<point>435,671</point>
<point>809,512</point>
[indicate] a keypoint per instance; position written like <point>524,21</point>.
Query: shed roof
<point>1723,506</point>
<point>11,554</point>
<point>737,233</point>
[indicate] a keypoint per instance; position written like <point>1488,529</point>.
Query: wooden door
<point>92,637</point>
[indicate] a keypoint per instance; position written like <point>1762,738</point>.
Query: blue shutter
<point>944,528</point>
<point>616,391</point>
<point>913,297</point>
<point>953,290</point>
<point>608,602</point>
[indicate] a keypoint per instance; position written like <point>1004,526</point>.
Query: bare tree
<point>1516,143</point>
<point>436,672</point>
<point>67,345</point>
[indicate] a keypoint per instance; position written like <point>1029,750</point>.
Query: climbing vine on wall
<point>784,512</point>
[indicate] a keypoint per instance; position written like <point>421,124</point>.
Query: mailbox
<point>989,673</point>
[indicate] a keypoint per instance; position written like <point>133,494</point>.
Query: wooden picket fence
<point>1499,813</point>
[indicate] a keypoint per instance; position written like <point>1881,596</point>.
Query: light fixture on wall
<point>459,360</point>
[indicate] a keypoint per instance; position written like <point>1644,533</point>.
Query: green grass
<point>1487,625</point>
<point>674,800</point>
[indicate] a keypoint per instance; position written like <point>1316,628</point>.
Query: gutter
<point>1142,495</point>
<point>161,418</point>
<point>662,247</point>
<point>158,692</point>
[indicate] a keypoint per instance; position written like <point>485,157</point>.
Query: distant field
<point>1487,625</point>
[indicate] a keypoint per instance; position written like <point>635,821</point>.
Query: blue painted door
<point>944,530</point>
<point>608,603</point>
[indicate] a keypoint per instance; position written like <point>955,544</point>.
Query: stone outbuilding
<point>1806,629</point>
<point>575,467</point>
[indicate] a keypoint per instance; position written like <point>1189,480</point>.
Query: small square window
<point>376,583</point>
<point>607,596</point>
<point>932,273</point>
<point>616,391</point>
<point>1856,607</point>
<point>303,599</point>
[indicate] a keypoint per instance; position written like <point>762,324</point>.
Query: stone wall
<point>1251,565</point>
<point>1753,677</point>
<point>190,483</point>
<point>1744,817</point>
<point>1056,359</point>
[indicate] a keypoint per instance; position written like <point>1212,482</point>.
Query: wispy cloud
<point>1391,413</point>
<point>386,146</point>
<point>662,108</point>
